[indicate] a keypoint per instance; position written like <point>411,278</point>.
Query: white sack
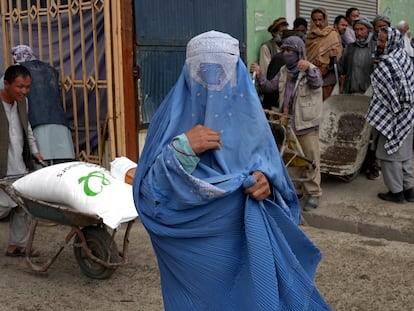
<point>120,166</point>
<point>86,187</point>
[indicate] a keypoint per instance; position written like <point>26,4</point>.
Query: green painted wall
<point>260,14</point>
<point>398,10</point>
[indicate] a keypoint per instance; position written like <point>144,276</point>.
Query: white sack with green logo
<point>86,187</point>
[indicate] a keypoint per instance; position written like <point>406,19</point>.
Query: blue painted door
<point>163,28</point>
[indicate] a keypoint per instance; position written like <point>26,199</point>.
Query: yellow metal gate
<point>77,38</point>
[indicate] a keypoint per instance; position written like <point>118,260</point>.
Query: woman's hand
<point>202,138</point>
<point>261,189</point>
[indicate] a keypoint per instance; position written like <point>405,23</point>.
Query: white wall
<point>290,12</point>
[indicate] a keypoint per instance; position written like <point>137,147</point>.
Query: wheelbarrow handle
<point>335,65</point>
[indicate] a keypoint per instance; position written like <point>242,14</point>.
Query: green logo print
<point>96,174</point>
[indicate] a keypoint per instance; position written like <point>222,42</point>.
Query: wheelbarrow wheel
<point>99,242</point>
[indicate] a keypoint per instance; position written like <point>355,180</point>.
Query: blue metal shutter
<point>163,29</point>
<point>367,8</point>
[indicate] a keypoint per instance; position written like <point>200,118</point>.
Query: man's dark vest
<point>272,99</point>
<point>272,46</point>
<point>45,101</point>
<point>4,138</point>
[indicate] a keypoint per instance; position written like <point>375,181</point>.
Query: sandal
<point>20,252</point>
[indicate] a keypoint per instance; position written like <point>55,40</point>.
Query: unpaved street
<point>356,273</point>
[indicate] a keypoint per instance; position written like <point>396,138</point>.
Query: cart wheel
<point>98,241</point>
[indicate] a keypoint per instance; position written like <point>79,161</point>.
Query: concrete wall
<point>259,15</point>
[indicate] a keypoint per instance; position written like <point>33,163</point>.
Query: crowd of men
<point>360,56</point>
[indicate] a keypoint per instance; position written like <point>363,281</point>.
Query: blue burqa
<point>218,249</point>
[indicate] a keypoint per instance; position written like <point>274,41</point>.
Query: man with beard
<point>391,113</point>
<point>323,46</point>
<point>357,65</point>
<point>379,22</point>
<point>271,47</point>
<point>305,118</point>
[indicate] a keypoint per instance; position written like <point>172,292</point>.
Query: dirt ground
<point>356,273</point>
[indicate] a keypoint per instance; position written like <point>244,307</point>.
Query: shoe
<point>392,197</point>
<point>6,218</point>
<point>409,194</point>
<point>311,204</point>
<point>373,173</point>
<point>20,252</point>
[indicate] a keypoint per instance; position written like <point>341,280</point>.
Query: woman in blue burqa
<point>214,195</point>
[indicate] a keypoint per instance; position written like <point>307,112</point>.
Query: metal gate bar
<point>64,33</point>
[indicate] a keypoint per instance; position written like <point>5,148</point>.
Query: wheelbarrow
<point>288,144</point>
<point>94,247</point>
<point>344,135</point>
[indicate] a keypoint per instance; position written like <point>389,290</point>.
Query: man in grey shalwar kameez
<point>357,65</point>
<point>17,147</point>
<point>391,113</point>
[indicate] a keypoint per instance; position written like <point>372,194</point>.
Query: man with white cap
<point>404,28</point>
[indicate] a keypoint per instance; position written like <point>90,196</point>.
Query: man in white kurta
<point>17,85</point>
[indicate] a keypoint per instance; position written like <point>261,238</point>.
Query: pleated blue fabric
<point>218,249</point>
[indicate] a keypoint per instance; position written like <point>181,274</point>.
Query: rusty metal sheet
<point>59,214</point>
<point>344,134</point>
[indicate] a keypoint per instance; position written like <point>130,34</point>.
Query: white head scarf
<point>407,45</point>
<point>22,53</point>
<point>213,47</point>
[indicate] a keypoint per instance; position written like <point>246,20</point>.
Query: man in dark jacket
<point>357,65</point>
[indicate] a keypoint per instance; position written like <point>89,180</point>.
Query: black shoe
<point>6,218</point>
<point>392,197</point>
<point>373,173</point>
<point>409,194</point>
